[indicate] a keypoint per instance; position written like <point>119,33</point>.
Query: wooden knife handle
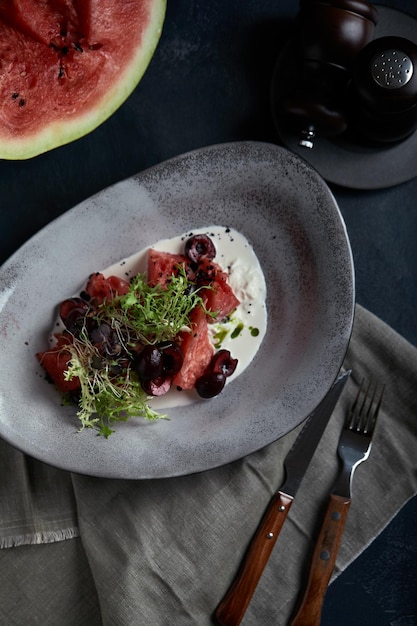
<point>234,604</point>
<point>322,565</point>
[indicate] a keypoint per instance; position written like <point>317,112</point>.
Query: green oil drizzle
<point>237,331</point>
<point>219,337</point>
<point>222,333</point>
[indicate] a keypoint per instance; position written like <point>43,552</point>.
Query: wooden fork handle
<point>234,604</point>
<point>323,562</point>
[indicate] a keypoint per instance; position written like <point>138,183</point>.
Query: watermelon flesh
<point>195,342</point>
<point>196,345</point>
<point>55,362</point>
<point>162,265</point>
<point>197,350</point>
<point>219,298</point>
<point>67,65</point>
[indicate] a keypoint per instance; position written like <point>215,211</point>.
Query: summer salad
<point>161,325</point>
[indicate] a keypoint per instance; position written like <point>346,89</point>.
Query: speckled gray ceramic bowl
<point>288,214</point>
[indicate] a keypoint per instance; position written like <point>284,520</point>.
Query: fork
<point>354,448</point>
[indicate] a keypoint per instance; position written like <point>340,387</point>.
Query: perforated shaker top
<point>391,68</point>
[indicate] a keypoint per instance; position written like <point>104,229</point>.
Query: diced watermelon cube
<point>220,298</point>
<point>55,362</point>
<point>162,265</point>
<point>105,289</point>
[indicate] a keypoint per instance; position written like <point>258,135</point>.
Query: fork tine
<point>362,415</point>
<point>374,404</point>
<point>372,411</point>
<point>365,422</point>
<point>354,411</point>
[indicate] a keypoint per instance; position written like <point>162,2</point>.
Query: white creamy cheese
<point>243,333</point>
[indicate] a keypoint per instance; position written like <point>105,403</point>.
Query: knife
<point>234,604</point>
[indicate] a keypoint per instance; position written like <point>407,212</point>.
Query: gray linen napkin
<point>164,552</point>
<point>37,503</point>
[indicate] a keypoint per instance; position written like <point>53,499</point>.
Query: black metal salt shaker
<point>383,99</point>
<point>328,36</point>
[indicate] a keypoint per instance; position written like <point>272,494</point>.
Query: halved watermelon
<point>67,65</point>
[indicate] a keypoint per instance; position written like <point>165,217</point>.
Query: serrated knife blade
<point>232,608</point>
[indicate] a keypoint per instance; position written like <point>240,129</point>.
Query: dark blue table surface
<point>209,83</point>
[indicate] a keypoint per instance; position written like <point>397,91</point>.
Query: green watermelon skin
<point>67,65</point>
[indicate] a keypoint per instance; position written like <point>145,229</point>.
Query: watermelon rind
<point>45,137</point>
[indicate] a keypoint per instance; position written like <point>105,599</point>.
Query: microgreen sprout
<point>110,390</point>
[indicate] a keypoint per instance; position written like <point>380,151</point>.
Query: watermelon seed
<point>15,95</point>
<point>22,102</point>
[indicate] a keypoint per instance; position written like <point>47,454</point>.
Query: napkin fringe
<point>39,537</point>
